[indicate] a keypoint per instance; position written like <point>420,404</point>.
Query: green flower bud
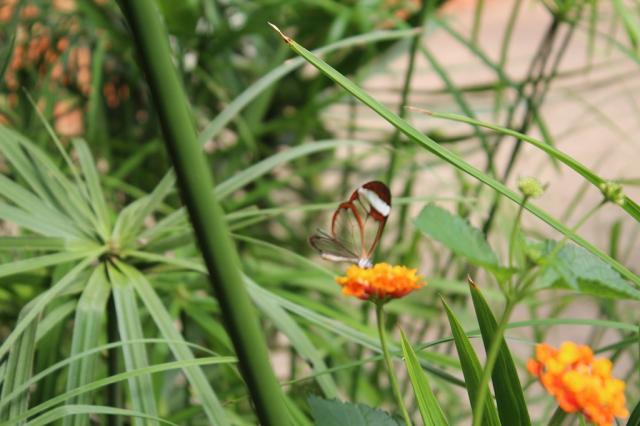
<point>530,187</point>
<point>612,192</point>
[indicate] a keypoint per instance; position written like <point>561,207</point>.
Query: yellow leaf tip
<point>284,37</point>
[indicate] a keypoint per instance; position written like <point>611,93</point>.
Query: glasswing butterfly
<point>356,226</point>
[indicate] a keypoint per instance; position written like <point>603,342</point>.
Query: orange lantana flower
<point>580,382</point>
<point>379,283</point>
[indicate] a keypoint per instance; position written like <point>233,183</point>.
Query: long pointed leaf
<point>130,328</point>
<point>41,302</point>
<point>163,320</point>
<point>471,368</point>
<point>506,383</point>
<point>429,407</point>
<point>88,320</point>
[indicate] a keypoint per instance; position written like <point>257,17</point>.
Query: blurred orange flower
<point>580,382</point>
<point>380,283</point>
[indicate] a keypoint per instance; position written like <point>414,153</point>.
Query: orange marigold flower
<point>580,382</point>
<point>380,283</point>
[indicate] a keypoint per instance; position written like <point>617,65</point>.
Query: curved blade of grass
<point>73,410</point>
<point>631,25</point>
<point>50,228</point>
<point>248,175</point>
<point>88,353</point>
<point>471,369</point>
<point>132,217</point>
<point>32,263</point>
<point>41,302</point>
<point>429,407</point>
<point>28,243</point>
<point>67,196</point>
<point>630,206</point>
<point>448,156</point>
<point>130,328</point>
<point>129,375</point>
<point>164,322</point>
<point>86,332</point>
<point>19,368</point>
<point>53,317</point>
<point>92,180</point>
<point>29,202</point>
<point>253,91</point>
<point>299,340</point>
<point>363,338</point>
<point>512,407</point>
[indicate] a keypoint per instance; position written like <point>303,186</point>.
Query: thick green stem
<point>207,217</point>
<point>492,356</point>
<point>388,363</point>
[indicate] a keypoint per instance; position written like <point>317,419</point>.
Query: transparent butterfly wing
<point>332,249</point>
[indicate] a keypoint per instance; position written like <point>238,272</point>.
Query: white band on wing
<point>376,202</point>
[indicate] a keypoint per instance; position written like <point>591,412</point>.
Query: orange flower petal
<point>580,382</point>
<point>381,282</point>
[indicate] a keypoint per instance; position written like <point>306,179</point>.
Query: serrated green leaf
<point>456,234</point>
<point>471,369</point>
<point>576,268</point>
<point>336,413</point>
<point>512,407</point>
<point>428,405</point>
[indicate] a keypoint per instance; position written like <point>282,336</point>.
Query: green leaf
<point>512,407</point>
<point>41,302</point>
<point>634,418</point>
<point>180,350</point>
<point>428,405</point>
<point>94,189</point>
<point>248,175</point>
<point>32,263</point>
<point>70,410</point>
<point>19,368</point>
<point>132,217</point>
<point>88,321</point>
<point>128,375</point>
<point>456,234</point>
<point>336,413</point>
<point>576,268</point>
<point>629,205</point>
<point>130,328</point>
<point>471,369</point>
<point>261,85</point>
<point>299,340</point>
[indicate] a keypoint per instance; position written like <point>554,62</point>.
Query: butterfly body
<point>356,226</point>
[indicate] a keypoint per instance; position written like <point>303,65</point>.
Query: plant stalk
<point>388,362</point>
<point>207,217</point>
